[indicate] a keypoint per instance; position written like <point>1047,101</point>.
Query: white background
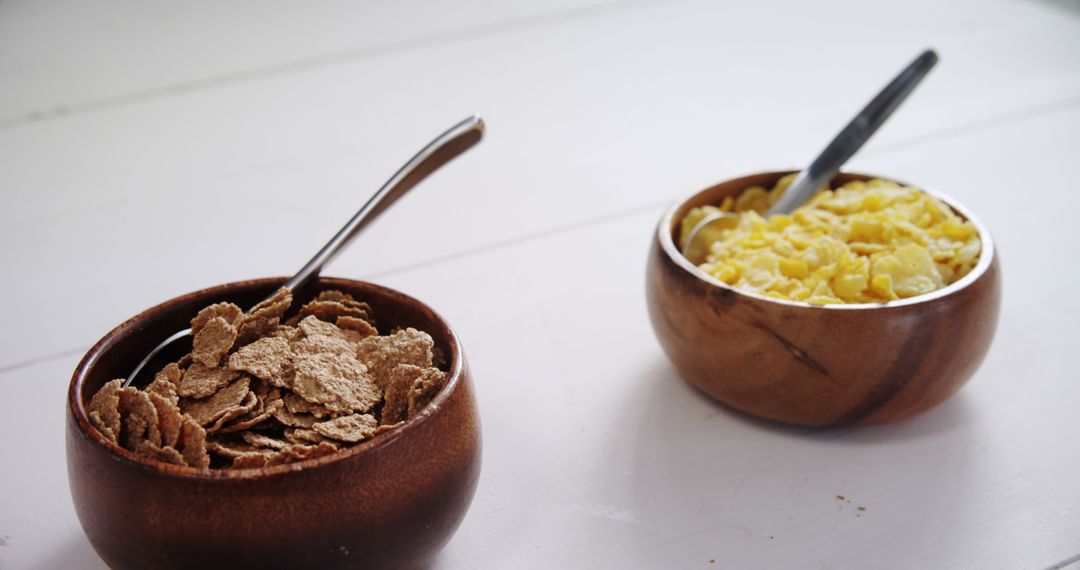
<point>150,149</point>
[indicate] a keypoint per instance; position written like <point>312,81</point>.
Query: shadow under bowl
<point>818,365</point>
<point>390,502</point>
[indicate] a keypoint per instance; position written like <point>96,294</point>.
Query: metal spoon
<point>828,163</point>
<point>447,146</point>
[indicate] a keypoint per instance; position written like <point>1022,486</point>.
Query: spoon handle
<point>447,146</point>
<point>854,135</point>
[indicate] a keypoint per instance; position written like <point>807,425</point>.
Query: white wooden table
<point>149,149</point>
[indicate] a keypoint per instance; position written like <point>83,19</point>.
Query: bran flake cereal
<point>169,419</point>
<point>260,389</point>
<point>200,380</point>
<point>104,410</point>
<point>213,341</point>
<point>298,405</point>
<point>352,429</point>
<point>268,359</point>
<point>229,312</point>
<point>139,421</point>
<point>260,440</point>
<point>303,435</point>
<point>382,353</point>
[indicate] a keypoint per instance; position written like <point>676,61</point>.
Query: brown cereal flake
<point>298,405</point>
<point>352,428</point>
<point>192,443</point>
<point>385,428</point>
<point>438,358</point>
<point>171,374</point>
<point>338,382</point>
<point>329,311</point>
<point>251,461</point>
<point>263,389</point>
<point>243,455</point>
<point>289,454</point>
<point>234,412</point>
<point>273,395</point>
<point>353,324</point>
<point>287,332</point>
<point>105,405</point>
<point>341,297</point>
<point>312,326</point>
<point>213,342</point>
<point>424,389</point>
<point>231,449</point>
<point>164,454</point>
<point>264,317</point>
<point>264,441</point>
<point>169,418</point>
<point>396,397</point>
<point>381,353</point>
<point>350,302</point>
<point>299,452</point>
<point>139,419</point>
<point>313,388</point>
<point>259,390</point>
<point>268,359</point>
<point>96,421</point>
<point>166,382</point>
<point>304,435</point>
<point>275,306</point>
<point>285,417</point>
<point>324,344</point>
<point>207,410</point>
<point>254,420</point>
<point>201,381</point>
<point>227,311</point>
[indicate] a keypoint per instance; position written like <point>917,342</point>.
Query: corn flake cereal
<point>255,392</point>
<point>864,242</point>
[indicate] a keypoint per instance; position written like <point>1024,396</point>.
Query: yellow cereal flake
<point>864,242</point>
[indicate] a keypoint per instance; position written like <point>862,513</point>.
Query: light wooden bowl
<point>833,365</point>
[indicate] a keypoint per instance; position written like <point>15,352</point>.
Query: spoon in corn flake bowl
<point>444,148</point>
<point>696,242</point>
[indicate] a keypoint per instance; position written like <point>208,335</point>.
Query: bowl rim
<point>78,411</point>
<point>666,228</point>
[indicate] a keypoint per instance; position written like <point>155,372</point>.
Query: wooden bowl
<point>831,365</point>
<point>390,502</point>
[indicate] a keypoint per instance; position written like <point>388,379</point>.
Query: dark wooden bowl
<point>833,365</point>
<point>390,502</point>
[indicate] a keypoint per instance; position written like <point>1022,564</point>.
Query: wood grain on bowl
<point>817,365</point>
<point>390,502</point>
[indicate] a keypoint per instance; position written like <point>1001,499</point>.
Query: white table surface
<point>149,149</point>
